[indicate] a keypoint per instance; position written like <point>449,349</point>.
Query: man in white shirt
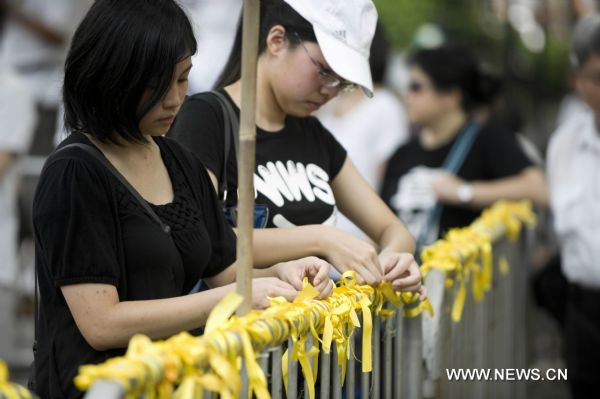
<point>573,164</point>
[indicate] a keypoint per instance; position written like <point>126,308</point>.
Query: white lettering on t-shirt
<point>297,181</point>
<point>293,182</point>
<point>320,179</point>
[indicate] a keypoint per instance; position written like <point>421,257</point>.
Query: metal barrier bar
<point>490,335</point>
<point>350,383</point>
<point>388,336</point>
<point>399,365</point>
<point>337,378</point>
<point>104,389</point>
<point>376,373</point>
<point>292,385</point>
<point>325,374</point>
<point>276,378</point>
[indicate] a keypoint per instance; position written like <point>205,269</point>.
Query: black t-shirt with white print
<point>495,154</point>
<point>294,166</point>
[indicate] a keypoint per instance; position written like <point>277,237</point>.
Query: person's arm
<point>366,209</point>
<point>292,272</point>
<point>107,323</point>
<point>344,251</point>
<point>529,184</point>
<point>46,33</point>
<point>357,200</point>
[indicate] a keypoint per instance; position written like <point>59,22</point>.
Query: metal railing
<point>411,356</point>
<point>491,334</point>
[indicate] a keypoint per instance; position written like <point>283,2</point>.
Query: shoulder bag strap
<point>231,130</point>
<point>454,160</point>
<point>102,159</point>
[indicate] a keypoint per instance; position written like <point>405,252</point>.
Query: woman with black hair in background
<point>456,165</point>
<point>118,250</point>
<point>309,52</point>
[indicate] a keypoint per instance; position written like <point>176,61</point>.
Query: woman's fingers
<point>413,279</point>
<point>281,288</point>
<point>319,271</point>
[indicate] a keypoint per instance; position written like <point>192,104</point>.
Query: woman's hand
<point>346,252</point>
<point>264,288</point>
<point>401,269</point>
<point>317,271</point>
<point>446,187</point>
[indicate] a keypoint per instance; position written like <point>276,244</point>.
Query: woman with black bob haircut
<point>309,52</point>
<point>459,162</point>
<point>126,221</point>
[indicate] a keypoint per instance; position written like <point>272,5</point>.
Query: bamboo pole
<point>246,161</point>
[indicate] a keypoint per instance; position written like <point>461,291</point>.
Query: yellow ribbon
<point>10,390</point>
<point>213,362</point>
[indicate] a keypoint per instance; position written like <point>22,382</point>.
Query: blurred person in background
<point>214,24</point>
<point>35,41</point>
<point>369,129</point>
<point>460,162</point>
<point>573,162</point>
<point>17,118</point>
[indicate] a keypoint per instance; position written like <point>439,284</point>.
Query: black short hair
<point>454,67</point>
<point>272,13</point>
<point>379,52</point>
<point>121,49</point>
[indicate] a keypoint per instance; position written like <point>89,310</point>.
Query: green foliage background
<point>461,19</point>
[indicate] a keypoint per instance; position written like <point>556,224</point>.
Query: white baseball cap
<point>344,31</point>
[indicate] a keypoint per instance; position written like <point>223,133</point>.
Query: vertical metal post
<point>336,389</point>
<point>350,382</point>
<point>400,362</point>
<point>276,380</point>
<point>103,389</point>
<point>376,357</point>
<point>292,386</point>
<point>413,351</point>
<point>388,352</point>
<point>324,374</point>
<point>244,387</point>
<point>263,361</point>
<point>309,344</point>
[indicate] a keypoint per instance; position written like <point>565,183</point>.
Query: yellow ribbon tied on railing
<point>10,390</point>
<point>465,254</point>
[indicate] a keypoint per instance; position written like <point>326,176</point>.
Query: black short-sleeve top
<point>90,229</point>
<point>294,166</point>
<point>495,154</point>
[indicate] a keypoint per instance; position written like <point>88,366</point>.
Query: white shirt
<point>370,132</point>
<point>17,117</point>
<point>574,179</point>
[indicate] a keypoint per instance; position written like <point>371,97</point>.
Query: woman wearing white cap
<point>309,51</point>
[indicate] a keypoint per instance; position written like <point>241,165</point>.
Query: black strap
<point>231,129</point>
<point>102,159</point>
<point>97,154</point>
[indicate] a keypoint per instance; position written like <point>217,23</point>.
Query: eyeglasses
<point>328,79</point>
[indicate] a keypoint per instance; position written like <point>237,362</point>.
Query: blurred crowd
<point>439,141</point>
